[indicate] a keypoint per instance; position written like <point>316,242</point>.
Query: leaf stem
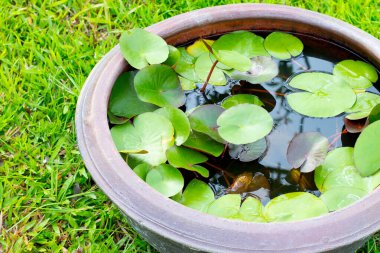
<point>209,76</point>
<point>264,91</point>
<point>220,169</point>
<point>299,64</point>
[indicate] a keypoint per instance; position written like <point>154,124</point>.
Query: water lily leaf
<point>203,66</point>
<point>179,121</point>
<point>338,198</point>
<point>345,177</point>
<point>247,182</point>
<point>150,132</point>
<point>203,119</point>
<point>336,159</point>
<point>181,157</point>
<point>154,50</point>
<point>233,59</point>
<point>243,42</point>
<point>238,99</point>
<point>325,95</point>
<point>283,46</point>
<point>226,206</point>
<point>174,56</point>
<point>307,151</point>
<point>262,69</point>
<point>187,84</point>
<point>116,120</point>
<point>124,101</point>
<point>293,207</point>
<point>142,170</point>
<point>355,126</point>
<point>363,106</point>
<point>367,160</point>
<point>197,195</point>
<point>359,74</point>
<point>375,114</point>
<point>166,179</point>
<point>199,47</point>
<point>248,152</point>
<point>185,66</point>
<point>159,85</point>
<point>251,210</point>
<point>204,143</point>
<point>244,123</point>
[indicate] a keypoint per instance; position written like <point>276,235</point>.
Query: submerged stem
<point>220,169</point>
<point>299,64</point>
<point>264,91</point>
<point>209,76</point>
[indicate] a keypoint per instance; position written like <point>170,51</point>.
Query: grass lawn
<point>47,48</point>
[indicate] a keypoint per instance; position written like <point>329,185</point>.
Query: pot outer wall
<point>171,227</point>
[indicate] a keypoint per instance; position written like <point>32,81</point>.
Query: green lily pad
<point>358,74</point>
<point>187,84</point>
<point>374,114</point>
<point>345,177</point>
<point>238,99</point>
<point>202,68</point>
<point>203,120</point>
<point>186,158</point>
<point>159,85</point>
<point>363,106</point>
<point>293,207</point>
<point>174,56</point>
<point>248,152</point>
<point>226,206</point>
<point>154,50</point>
<point>243,42</point>
<point>197,195</point>
<point>233,60</point>
<point>185,66</point>
<point>307,151</point>
<point>142,170</point>
<point>179,121</point>
<point>366,156</point>
<point>244,123</point>
<point>199,47</point>
<point>338,198</point>
<point>335,160</point>
<point>204,143</point>
<point>251,210</point>
<point>124,101</point>
<point>325,96</point>
<point>262,69</point>
<point>150,132</point>
<point>166,179</point>
<point>283,46</point>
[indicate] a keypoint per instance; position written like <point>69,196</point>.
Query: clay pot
<point>172,227</point>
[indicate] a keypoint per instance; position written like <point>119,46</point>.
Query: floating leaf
<point>203,119</point>
<point>233,59</point>
<point>363,106</point>
<point>307,151</point>
<point>358,74</point>
<point>179,121</point>
<point>243,42</point>
<point>345,177</point>
<point>197,195</point>
<point>154,50</point>
<point>204,143</point>
<point>244,123</point>
<point>375,114</point>
<point>335,160</point>
<point>142,170</point>
<point>159,85</point>
<point>247,182</point>
<point>150,132</point>
<point>293,207</point>
<point>283,46</point>
<point>116,120</point>
<point>181,157</point>
<point>366,157</point>
<point>338,198</point>
<point>174,56</point>
<point>166,179</point>
<point>203,66</point>
<point>199,47</point>
<point>124,101</point>
<point>262,69</point>
<point>226,206</point>
<point>248,152</point>
<point>355,126</point>
<point>187,84</point>
<point>185,66</point>
<point>325,95</point>
<point>238,99</point>
<point>251,210</point>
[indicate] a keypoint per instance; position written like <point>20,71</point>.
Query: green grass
<point>47,48</point>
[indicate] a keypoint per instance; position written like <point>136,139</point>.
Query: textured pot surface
<point>171,227</point>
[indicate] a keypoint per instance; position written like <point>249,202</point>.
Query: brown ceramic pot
<point>171,227</point>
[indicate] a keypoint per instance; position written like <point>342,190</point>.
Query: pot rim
<point>187,226</point>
